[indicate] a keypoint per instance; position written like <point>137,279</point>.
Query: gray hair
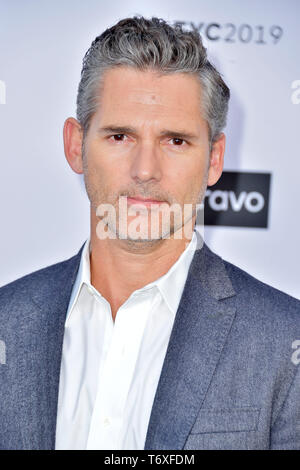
<point>152,44</point>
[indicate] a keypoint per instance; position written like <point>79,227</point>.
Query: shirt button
<point>106,422</point>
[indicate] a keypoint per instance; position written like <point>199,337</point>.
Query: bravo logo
<point>238,199</point>
<point>221,200</point>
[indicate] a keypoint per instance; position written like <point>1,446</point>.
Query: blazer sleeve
<point>285,432</point>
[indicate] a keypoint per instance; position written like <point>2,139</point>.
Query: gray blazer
<point>230,378</point>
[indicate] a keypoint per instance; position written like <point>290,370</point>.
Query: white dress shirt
<point>110,370</point>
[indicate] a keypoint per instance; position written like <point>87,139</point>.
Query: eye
<point>118,137</point>
<point>177,141</point>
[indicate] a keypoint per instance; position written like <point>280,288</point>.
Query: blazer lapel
<point>41,339</point>
<point>199,332</point>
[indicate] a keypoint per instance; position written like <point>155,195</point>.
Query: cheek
<point>106,179</point>
<point>95,165</point>
<point>105,160</point>
<point>188,178</point>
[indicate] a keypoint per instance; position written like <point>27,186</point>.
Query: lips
<point>145,202</point>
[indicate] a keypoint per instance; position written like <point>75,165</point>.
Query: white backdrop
<point>44,209</point>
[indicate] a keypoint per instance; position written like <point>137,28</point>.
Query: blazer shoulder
<point>260,294</point>
<point>41,279</point>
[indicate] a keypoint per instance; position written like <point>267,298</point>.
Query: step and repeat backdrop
<point>251,214</point>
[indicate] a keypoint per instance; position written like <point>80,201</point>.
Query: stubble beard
<point>101,195</point>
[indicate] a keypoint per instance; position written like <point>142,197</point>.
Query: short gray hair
<point>152,44</point>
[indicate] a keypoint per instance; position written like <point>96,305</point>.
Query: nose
<point>146,164</point>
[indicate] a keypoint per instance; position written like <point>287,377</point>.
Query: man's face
<point>147,140</point>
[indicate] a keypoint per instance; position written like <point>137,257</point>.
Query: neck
<point>119,267</point>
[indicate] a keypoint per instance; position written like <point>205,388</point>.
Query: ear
<point>216,160</point>
<point>73,135</point>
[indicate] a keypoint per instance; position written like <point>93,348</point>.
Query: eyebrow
<point>178,134</point>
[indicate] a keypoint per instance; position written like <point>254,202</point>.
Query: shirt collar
<point>170,285</point>
<point>83,277</point>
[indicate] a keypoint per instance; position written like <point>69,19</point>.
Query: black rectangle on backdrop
<point>238,199</point>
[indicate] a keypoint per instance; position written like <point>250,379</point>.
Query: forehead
<point>130,94</point>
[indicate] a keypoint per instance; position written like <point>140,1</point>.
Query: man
<point>146,339</point>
